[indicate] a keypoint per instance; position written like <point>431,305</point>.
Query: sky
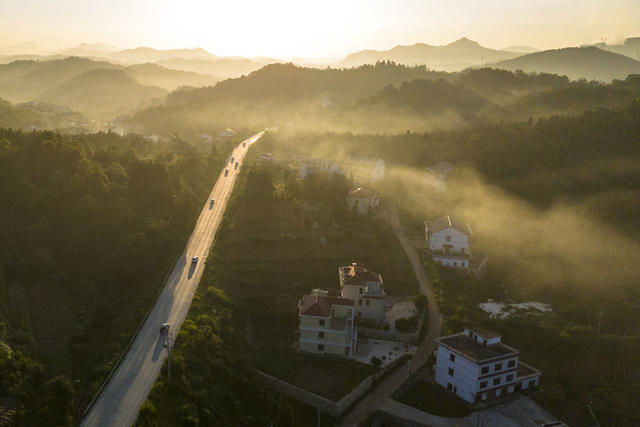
<point>314,29</point>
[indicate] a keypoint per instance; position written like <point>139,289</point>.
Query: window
<point>455,263</point>
<point>496,381</point>
<point>448,238</point>
<point>321,322</point>
<point>367,301</point>
<point>483,384</point>
<point>449,387</point>
<point>321,334</point>
<point>498,367</point>
<point>320,347</point>
<point>359,302</point>
<point>509,378</point>
<point>511,363</point>
<point>452,357</point>
<point>484,370</point>
<point>360,290</point>
<point>451,371</point>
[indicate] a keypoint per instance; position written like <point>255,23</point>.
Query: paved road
<point>130,384</point>
<point>383,391</point>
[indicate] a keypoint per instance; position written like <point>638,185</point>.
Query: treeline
<point>38,116</point>
<point>384,98</point>
<point>89,226</point>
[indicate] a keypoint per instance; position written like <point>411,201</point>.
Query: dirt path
<point>386,388</point>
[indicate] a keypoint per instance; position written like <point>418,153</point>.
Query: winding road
<point>119,401</point>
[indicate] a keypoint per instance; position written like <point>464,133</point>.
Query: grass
<point>326,376</point>
<point>432,398</point>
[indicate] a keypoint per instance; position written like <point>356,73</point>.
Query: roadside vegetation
<point>90,225</point>
<point>433,399</point>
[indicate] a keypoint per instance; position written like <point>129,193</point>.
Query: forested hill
<point>382,98</point>
<point>89,225</point>
<point>584,62</point>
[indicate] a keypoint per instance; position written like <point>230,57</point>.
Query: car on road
<point>212,202</point>
<point>194,259</point>
<point>236,165</point>
<point>164,329</point>
<point>233,159</point>
<point>226,172</point>
<point>244,144</point>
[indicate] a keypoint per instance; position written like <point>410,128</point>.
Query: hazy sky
<point>288,28</point>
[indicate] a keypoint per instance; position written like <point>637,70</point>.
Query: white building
<point>327,324</point>
<point>436,175</point>
<point>475,365</point>
<point>364,169</point>
<point>449,241</point>
<point>366,289</point>
<point>363,200</point>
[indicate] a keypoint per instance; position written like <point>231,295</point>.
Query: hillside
<point>101,91</point>
<point>40,116</point>
<point>589,63</point>
<point>224,68</point>
<point>157,75</point>
<point>148,54</point>
<point>457,55</point>
<point>22,81</point>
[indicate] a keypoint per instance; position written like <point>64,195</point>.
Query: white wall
<point>451,262</point>
<point>458,239</point>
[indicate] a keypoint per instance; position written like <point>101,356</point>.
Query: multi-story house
<point>475,365</point>
<point>449,241</point>
<point>326,324</point>
<point>366,289</point>
<point>362,200</point>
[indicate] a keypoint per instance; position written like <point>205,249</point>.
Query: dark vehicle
<point>244,144</point>
<point>236,165</point>
<point>212,202</point>
<point>233,159</point>
<point>226,172</point>
<point>194,259</point>
<point>164,329</point>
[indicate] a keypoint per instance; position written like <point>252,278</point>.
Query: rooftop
<point>445,222</point>
<point>525,370</point>
<point>361,193</point>
<point>473,350</point>
<point>320,305</point>
<point>355,275</point>
<point>441,168</point>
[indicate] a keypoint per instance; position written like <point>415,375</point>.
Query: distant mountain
<point>101,91</point>
<point>26,48</point>
<point>458,55</point>
<point>224,68</point>
<point>22,81</point>
<point>86,49</point>
<point>521,49</point>
<point>148,54</point>
<point>157,75</point>
<point>590,63</point>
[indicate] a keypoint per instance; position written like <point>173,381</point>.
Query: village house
<point>360,169</point>
<point>366,289</point>
<point>362,200</point>
<point>364,169</point>
<point>327,324</point>
<point>449,241</point>
<point>436,175</point>
<point>475,365</point>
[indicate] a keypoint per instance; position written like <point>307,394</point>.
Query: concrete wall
<point>405,337</point>
<point>324,405</point>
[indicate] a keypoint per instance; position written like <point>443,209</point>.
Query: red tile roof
<point>320,305</point>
